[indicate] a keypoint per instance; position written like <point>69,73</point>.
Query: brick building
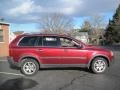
<point>4,39</point>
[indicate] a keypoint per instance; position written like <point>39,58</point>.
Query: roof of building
<point>4,23</point>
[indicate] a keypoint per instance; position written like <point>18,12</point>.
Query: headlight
<point>111,53</point>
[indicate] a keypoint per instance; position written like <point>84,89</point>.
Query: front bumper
<point>112,61</point>
<point>12,63</point>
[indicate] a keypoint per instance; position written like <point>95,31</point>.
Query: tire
<point>99,65</point>
<point>29,67</point>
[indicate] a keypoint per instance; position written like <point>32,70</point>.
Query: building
<point>17,33</point>
<point>83,36</point>
<point>4,39</point>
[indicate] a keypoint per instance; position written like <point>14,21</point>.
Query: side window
<point>28,41</point>
<point>65,42</point>
<point>39,41</point>
<point>50,41</point>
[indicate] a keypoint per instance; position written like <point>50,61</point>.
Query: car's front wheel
<point>29,67</point>
<point>99,65</point>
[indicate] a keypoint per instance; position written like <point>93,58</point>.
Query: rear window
<point>28,41</point>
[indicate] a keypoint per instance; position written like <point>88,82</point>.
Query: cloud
<point>23,8</point>
<point>26,11</point>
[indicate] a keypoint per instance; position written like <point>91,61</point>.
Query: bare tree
<point>97,21</point>
<point>97,31</point>
<point>56,23</point>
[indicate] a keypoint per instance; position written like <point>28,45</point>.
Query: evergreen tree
<point>113,30</point>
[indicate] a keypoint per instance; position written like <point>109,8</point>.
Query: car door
<point>73,54</point>
<point>49,51</point>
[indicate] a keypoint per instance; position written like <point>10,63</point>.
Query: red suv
<point>30,52</point>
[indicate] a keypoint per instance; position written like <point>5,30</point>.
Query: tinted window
<point>39,41</point>
<point>28,41</point>
<point>50,41</point>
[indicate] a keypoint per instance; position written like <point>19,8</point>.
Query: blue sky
<point>28,27</point>
<point>34,27</point>
<point>23,15</point>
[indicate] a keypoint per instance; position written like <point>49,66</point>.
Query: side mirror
<point>79,46</point>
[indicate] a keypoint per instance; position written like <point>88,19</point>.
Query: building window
<point>1,35</point>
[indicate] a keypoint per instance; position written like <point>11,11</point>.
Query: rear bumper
<point>12,63</point>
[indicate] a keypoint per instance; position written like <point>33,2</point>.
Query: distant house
<point>16,33</point>
<point>83,36</point>
<point>11,36</point>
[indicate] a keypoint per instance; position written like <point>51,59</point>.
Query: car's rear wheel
<point>29,67</point>
<point>99,65</point>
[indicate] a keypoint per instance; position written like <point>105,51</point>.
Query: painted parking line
<point>15,74</point>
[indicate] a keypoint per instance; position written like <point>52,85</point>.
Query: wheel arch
<point>28,56</point>
<point>103,56</point>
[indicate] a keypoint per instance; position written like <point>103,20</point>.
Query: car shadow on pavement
<point>14,67</point>
<point>67,68</point>
<point>58,68</point>
<point>18,84</point>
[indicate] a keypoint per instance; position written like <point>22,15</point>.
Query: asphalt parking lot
<point>61,79</point>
